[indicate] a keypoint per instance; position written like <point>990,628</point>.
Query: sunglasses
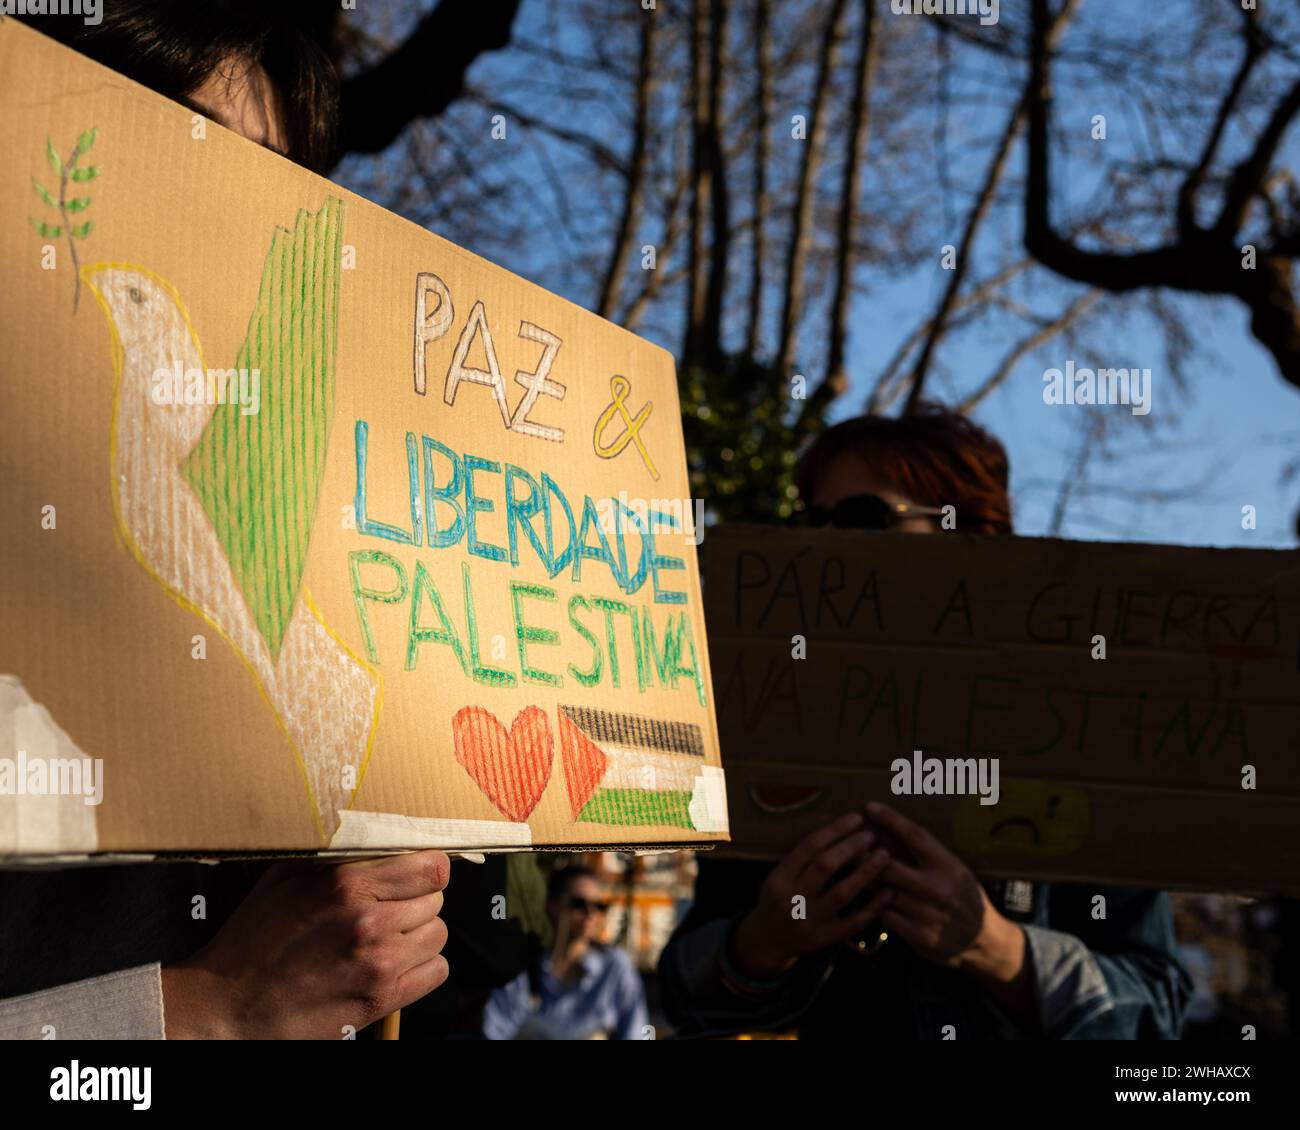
<point>590,906</point>
<point>864,512</point>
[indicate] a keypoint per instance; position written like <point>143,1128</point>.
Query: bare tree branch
<point>623,236</point>
<point>710,339</point>
<point>763,98</point>
<point>696,282</point>
<point>1205,261</point>
<point>980,209</point>
<point>882,397</point>
<point>600,153</point>
<point>660,279</point>
<point>800,231</point>
<point>1254,51</point>
<point>1041,336</point>
<point>1070,480</point>
<point>836,379</point>
<point>380,102</point>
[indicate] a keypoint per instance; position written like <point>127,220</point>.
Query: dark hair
<point>174,46</point>
<point>935,456</point>
<point>563,877</point>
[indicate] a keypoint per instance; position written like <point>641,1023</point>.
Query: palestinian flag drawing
<point>629,769</point>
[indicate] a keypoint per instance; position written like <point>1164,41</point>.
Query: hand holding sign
<point>315,949</point>
<point>940,909</point>
<point>938,906</point>
<point>802,902</point>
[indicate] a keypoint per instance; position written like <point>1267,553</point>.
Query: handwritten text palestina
<point>504,514</point>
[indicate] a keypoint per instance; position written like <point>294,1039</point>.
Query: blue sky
<point>1214,447</point>
<point>1229,434</point>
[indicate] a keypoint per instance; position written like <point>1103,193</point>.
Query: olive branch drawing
<point>68,173</point>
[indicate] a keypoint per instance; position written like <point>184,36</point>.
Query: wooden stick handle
<point>390,1026</point>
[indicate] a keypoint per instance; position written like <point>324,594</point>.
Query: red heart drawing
<point>511,768</point>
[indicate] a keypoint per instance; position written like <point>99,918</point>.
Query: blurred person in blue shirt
<point>581,990</point>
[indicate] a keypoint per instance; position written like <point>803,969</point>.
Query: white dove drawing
<point>325,698</point>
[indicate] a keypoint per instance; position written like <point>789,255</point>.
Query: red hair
<point>933,455</point>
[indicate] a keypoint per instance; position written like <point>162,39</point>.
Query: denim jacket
<point>1117,977</point>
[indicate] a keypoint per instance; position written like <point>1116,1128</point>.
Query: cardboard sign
<point>851,666</point>
<point>319,532</point>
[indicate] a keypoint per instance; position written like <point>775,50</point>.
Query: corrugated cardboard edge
<point>58,862</point>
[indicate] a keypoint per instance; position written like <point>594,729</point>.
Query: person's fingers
<point>845,928</point>
<point>413,913</point>
<point>405,876</point>
<point>899,874</point>
<point>824,867</point>
<point>858,880</point>
<point>421,945</point>
<point>423,979</point>
<point>911,932</point>
<point>813,844</point>
<point>923,845</point>
<point>880,902</point>
<point>919,910</point>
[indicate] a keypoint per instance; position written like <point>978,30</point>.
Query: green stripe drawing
<point>258,474</point>
<point>638,806</point>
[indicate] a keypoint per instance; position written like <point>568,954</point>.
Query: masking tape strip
<point>392,830</point>
<point>708,806</point>
<point>30,862</point>
<point>42,823</point>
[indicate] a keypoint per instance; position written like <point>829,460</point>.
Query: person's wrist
<point>997,953</point>
<point>754,953</point>
<point>197,1004</point>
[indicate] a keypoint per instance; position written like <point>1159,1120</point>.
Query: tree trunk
<point>701,188</point>
<point>801,228</point>
<point>624,237</point>
<point>763,93</point>
<point>378,103</point>
<point>836,379</point>
<point>710,338</point>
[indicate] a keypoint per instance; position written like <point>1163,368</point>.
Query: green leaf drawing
<point>68,173</point>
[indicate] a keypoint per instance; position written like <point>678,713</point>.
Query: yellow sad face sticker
<point>1032,818</point>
